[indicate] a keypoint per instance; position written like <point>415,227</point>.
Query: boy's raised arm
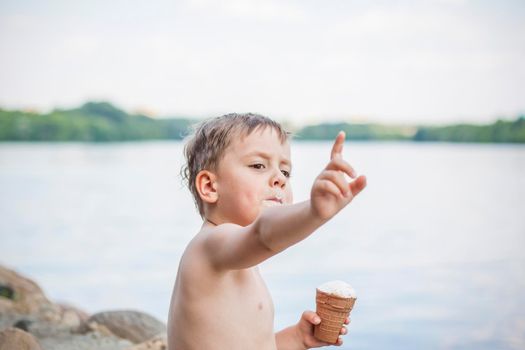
<point>232,247</point>
<point>277,228</point>
<point>330,193</point>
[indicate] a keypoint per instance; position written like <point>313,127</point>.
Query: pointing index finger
<point>337,148</point>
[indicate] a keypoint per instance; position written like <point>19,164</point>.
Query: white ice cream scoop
<point>339,288</point>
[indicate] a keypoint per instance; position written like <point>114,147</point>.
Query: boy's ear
<point>206,185</point>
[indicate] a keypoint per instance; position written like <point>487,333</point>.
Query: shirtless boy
<point>238,170</point>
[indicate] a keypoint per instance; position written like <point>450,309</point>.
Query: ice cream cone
<point>333,310</point>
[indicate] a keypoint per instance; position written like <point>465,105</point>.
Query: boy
<point>238,169</point>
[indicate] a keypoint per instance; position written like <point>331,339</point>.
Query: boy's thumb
<point>311,317</point>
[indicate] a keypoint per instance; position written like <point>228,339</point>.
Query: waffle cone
<point>333,310</point>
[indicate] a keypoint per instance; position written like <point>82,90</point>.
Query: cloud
<point>252,9</point>
<point>287,58</point>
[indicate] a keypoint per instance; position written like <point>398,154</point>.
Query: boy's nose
<point>279,179</point>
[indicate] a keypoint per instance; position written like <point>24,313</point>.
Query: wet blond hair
<point>205,147</point>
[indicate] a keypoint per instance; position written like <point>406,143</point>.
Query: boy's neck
<point>211,222</point>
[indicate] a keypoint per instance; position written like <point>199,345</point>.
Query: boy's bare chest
<point>237,303</point>
<point>249,291</point>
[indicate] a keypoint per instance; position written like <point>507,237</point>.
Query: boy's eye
<point>260,166</point>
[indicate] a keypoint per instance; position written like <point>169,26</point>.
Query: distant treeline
<point>327,131</point>
<point>94,121</point>
<point>499,131</point>
<point>101,121</point>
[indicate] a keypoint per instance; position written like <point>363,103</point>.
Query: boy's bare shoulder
<point>210,235</point>
<point>200,249</point>
<point>231,247</point>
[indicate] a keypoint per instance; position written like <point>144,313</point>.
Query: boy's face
<point>253,173</point>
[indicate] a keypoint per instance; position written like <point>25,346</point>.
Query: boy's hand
<point>331,192</point>
<point>305,329</point>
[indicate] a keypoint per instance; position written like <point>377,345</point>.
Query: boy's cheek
<point>289,196</point>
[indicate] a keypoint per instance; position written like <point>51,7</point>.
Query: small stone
<point>135,326</point>
<point>160,342</point>
<point>14,338</point>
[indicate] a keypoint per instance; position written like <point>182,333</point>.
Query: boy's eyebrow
<point>267,156</point>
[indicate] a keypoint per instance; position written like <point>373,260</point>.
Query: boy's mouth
<point>277,199</point>
<point>273,201</point>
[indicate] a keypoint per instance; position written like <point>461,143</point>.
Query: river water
<point>433,246</point>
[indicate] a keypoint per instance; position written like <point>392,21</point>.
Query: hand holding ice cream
<point>334,301</point>
<point>304,330</point>
<point>326,326</point>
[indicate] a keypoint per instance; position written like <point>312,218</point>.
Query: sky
<point>427,61</point>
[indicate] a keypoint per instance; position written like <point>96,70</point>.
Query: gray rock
<point>53,336</point>
<point>71,316</point>
<point>8,319</point>
<point>14,338</point>
<point>159,342</point>
<point>27,298</point>
<point>28,301</point>
<point>30,321</point>
<point>89,341</point>
<point>135,326</point>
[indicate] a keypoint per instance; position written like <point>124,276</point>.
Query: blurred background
<point>96,97</point>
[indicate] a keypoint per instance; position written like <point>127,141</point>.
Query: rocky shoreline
<point>30,321</point>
